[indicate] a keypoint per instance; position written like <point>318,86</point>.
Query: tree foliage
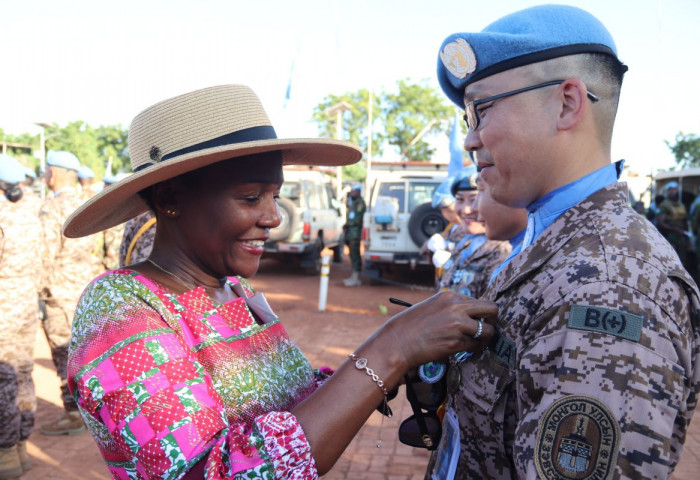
<point>686,149</point>
<point>404,119</point>
<point>94,147</point>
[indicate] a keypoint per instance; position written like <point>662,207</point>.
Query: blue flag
<point>442,195</point>
<point>288,93</point>
<point>456,149</point>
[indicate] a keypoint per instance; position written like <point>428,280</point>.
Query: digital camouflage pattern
<point>471,276</point>
<point>21,245</point>
<point>144,243</point>
<point>67,267</point>
<point>595,372</point>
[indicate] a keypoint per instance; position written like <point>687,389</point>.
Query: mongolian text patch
<point>603,320</point>
<point>578,438</point>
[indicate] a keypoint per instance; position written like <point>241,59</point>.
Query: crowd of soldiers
<point>42,277</point>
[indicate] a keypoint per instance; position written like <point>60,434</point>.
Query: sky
<point>103,62</point>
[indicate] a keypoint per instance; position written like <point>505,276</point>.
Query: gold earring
<point>171,212</point>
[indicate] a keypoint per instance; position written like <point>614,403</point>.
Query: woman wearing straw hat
<point>180,369</point>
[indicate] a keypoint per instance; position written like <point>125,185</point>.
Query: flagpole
<point>369,145</point>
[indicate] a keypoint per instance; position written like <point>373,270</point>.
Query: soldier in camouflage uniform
<point>476,257</point>
<point>137,241</point>
<point>595,370</point>
<point>20,243</point>
<point>69,265</point>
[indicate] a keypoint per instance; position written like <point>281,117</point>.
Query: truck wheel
<point>424,222</point>
<point>339,250</point>
<point>289,223</point>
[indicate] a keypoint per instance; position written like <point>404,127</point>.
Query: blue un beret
<point>86,172</point>
<point>521,38</point>
<point>11,171</point>
<point>63,159</point>
<point>466,180</point>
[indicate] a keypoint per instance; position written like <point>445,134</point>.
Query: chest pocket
<point>484,382</point>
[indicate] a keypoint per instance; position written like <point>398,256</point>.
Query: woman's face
<point>467,215</point>
<point>500,221</point>
<point>226,215</point>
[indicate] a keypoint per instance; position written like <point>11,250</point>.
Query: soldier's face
<point>227,215</point>
<point>500,221</point>
<point>513,137</point>
<point>464,201</point>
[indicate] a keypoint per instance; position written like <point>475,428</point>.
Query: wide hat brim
<point>120,202</point>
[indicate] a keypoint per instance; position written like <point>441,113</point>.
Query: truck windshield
<point>396,190</point>
<point>420,193</point>
<point>292,191</point>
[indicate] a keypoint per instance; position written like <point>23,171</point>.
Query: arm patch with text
<point>604,320</point>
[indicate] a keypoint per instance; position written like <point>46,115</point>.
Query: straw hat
<point>191,131</point>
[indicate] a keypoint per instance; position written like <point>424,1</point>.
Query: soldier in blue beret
<point>67,266</point>
<point>595,370</point>
<point>21,242</point>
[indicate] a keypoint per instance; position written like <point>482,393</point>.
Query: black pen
<point>396,301</point>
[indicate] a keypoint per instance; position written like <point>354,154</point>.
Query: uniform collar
<point>551,241</point>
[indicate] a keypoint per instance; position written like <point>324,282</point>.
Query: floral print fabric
<point>163,380</point>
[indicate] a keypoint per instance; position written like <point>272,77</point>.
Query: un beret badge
<point>459,58</point>
<point>578,438</point>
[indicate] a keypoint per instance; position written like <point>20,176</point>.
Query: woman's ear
<point>166,198</point>
<point>573,95</point>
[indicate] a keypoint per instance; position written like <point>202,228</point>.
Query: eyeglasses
<point>471,113</point>
<point>423,429</point>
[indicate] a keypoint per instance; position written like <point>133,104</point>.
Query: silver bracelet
<point>361,364</point>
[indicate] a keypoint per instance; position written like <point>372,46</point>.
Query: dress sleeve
<point>605,385</point>
<point>151,406</point>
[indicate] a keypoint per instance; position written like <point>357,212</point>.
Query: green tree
<point>94,147</point>
<point>413,114</point>
<point>686,149</point>
<point>403,120</point>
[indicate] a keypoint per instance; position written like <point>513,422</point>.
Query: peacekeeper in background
<point>137,241</point>
<point>595,370</point>
<point>69,265</point>
<point>672,221</point>
<point>475,257</point>
<point>353,234</point>
<point>86,177</point>
<point>21,241</point>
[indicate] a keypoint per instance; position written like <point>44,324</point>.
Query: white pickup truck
<point>400,217</point>
<point>312,218</point>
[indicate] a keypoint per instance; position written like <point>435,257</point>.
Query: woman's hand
<point>438,327</point>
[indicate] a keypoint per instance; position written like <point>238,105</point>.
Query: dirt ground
<point>326,338</point>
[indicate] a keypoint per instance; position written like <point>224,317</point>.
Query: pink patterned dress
<point>163,380</point>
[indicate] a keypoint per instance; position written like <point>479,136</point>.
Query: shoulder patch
<point>577,438</point>
<point>603,320</point>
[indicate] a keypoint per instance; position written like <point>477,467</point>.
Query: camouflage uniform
<point>21,244</point>
<point>353,230</point>
<point>68,266</point>
<point>144,243</point>
<point>595,371</point>
<point>471,275</point>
